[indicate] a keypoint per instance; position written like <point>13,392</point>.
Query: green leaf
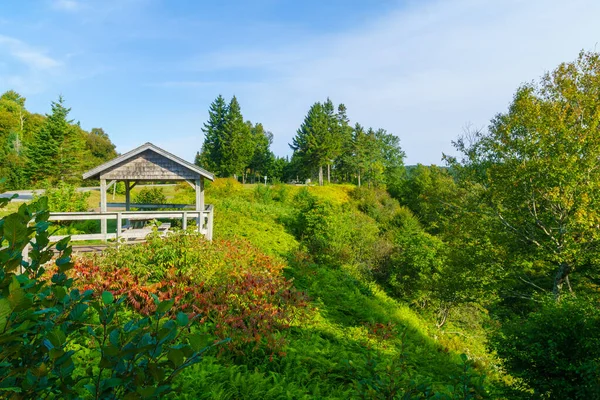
<point>176,357</point>
<point>63,243</point>
<point>165,306</point>
<point>5,311</point>
<point>62,261</point>
<point>78,311</point>
<point>15,229</point>
<point>182,319</point>
<point>198,341</point>
<point>111,382</point>
<point>107,298</point>
<point>16,293</point>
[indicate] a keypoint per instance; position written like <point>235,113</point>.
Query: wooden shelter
<point>149,163</point>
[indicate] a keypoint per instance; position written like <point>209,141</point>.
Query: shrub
<point>65,198</point>
<point>555,350</point>
<point>263,194</point>
<point>225,186</point>
<point>232,285</point>
<point>150,195</point>
<point>59,342</point>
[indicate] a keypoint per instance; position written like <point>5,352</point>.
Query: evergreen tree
<point>343,159</point>
<point>211,155</point>
<point>74,156</point>
<point>45,161</point>
<point>237,147</point>
<point>262,156</point>
<point>333,139</point>
<point>361,154</point>
<point>310,143</point>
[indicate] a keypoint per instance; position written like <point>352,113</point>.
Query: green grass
<point>329,351</point>
<point>331,348</point>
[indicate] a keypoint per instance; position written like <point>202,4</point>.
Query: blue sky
<point>147,70</point>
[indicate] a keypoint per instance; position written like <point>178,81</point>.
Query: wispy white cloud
<point>423,72</point>
<point>26,54</point>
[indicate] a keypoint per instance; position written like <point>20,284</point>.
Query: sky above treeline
<point>147,70</point>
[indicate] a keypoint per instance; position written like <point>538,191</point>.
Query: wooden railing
<point>204,222</point>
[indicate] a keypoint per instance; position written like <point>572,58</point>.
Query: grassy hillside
<point>293,280</point>
<point>353,339</point>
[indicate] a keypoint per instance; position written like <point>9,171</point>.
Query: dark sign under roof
<point>146,163</point>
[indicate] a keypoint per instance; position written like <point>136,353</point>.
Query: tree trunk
<point>561,277</point>
<point>320,175</point>
<point>358,178</point>
<point>443,313</point>
<point>328,173</point>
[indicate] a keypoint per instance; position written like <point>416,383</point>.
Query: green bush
<point>65,198</point>
<point>555,350</point>
<point>59,342</point>
<point>150,195</point>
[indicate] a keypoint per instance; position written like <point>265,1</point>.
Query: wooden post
<point>103,207</point>
<point>200,202</point>
<point>119,225</point>
<point>127,196</point>
<point>209,233</point>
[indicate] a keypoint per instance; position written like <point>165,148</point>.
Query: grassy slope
<point>322,352</point>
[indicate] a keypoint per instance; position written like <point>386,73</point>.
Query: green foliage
<point>231,146</point>
<point>45,322</point>
<point>554,350</point>
<point>538,167</point>
<point>326,138</point>
<point>318,139</point>
<point>35,148</point>
<point>211,154</point>
<point>100,147</point>
<point>232,285</point>
<point>65,197</point>
<point>150,195</point>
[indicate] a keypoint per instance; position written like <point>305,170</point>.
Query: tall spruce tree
<point>343,159</point>
<point>333,139</point>
<point>237,146</point>
<point>44,152</point>
<point>310,143</point>
<point>211,155</point>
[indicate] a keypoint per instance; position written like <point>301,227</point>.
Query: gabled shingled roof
<point>96,172</point>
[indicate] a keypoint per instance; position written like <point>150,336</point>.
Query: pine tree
<point>44,153</point>
<point>262,156</point>
<point>237,146</point>
<point>73,154</point>
<point>343,160</point>
<point>310,143</point>
<point>333,138</point>
<point>211,155</point>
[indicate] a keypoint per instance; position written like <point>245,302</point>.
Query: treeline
<point>236,148</point>
<point>38,150</point>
